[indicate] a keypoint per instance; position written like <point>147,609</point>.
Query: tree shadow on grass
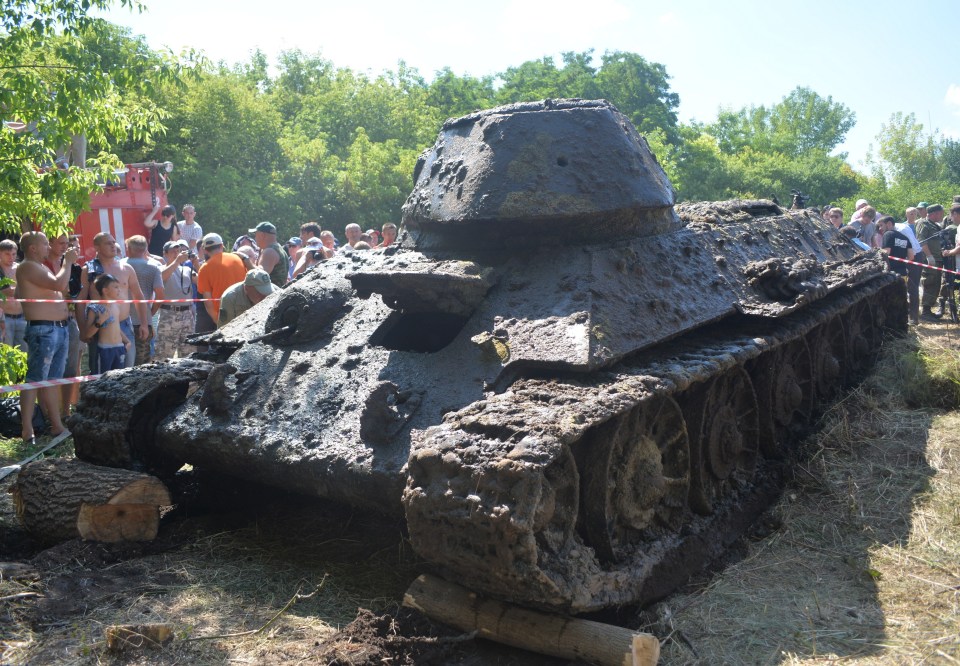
<point>807,583</point>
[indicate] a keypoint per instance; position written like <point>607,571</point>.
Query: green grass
<point>14,450</point>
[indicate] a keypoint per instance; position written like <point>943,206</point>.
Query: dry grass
<point>865,568</point>
<point>220,591</point>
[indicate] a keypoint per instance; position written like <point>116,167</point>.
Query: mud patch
<point>405,638</point>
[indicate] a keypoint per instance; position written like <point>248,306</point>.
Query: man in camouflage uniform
<point>176,319</point>
<point>950,252</point>
<point>928,233</point>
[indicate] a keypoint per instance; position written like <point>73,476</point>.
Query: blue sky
<point>876,57</point>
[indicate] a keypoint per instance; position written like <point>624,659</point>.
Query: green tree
<point>906,151</point>
<point>801,122</point>
<point>455,96</point>
<point>58,82</point>
<point>224,139</point>
<point>641,90</point>
<point>372,183</point>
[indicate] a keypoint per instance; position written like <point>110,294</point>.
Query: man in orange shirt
<point>219,271</point>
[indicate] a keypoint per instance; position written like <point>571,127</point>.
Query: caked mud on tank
<point>576,393</point>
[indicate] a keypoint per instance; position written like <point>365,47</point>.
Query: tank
<point>575,392</point>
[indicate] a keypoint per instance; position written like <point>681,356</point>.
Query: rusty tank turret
<point>576,392</point>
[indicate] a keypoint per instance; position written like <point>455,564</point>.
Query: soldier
<point>928,230</point>
<point>950,252</point>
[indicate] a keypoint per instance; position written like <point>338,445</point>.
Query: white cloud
<point>952,97</point>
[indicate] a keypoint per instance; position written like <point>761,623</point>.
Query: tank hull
<point>571,426</point>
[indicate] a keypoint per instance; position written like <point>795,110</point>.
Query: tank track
<point>578,495</point>
<point>116,419</point>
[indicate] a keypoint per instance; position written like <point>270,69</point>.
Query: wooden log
<point>555,635</point>
<point>59,499</point>
<point>118,522</point>
<point>123,637</point>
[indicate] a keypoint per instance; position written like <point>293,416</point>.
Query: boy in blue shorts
<point>105,319</point>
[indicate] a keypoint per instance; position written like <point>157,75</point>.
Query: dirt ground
<point>859,562</point>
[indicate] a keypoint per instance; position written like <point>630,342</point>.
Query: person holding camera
<point>177,320</point>
<point>312,253</point>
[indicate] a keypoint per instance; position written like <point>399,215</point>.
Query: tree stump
<point>59,499</point>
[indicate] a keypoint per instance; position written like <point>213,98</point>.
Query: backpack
<point>10,425</point>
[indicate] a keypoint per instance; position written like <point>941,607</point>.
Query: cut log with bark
<point>60,499</point>
<point>555,635</point>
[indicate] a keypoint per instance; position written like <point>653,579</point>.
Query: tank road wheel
<point>828,347</point>
<point>783,382</point>
<point>724,422</point>
<point>635,474</point>
<point>863,337</point>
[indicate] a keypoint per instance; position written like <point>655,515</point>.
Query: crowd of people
<point>180,281</point>
<point>926,236</point>
<point>177,280</point>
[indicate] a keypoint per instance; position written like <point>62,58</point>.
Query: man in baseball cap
<point>272,259</point>
<point>211,241</point>
<point>242,296</point>
<point>219,271</point>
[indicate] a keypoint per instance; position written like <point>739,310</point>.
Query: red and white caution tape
<point>46,383</point>
<point>119,300</point>
<point>917,263</point>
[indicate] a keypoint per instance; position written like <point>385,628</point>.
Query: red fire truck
<point>123,204</point>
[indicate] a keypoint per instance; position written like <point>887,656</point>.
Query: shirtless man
<point>69,393</point>
<point>107,261</point>
<point>47,340</point>
<point>353,233</point>
<point>16,325</point>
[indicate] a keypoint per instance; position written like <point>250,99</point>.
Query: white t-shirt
<point>905,229</point>
<point>190,232</point>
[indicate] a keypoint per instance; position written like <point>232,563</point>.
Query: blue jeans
<point>48,352</point>
<point>16,332</point>
<point>126,326</point>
